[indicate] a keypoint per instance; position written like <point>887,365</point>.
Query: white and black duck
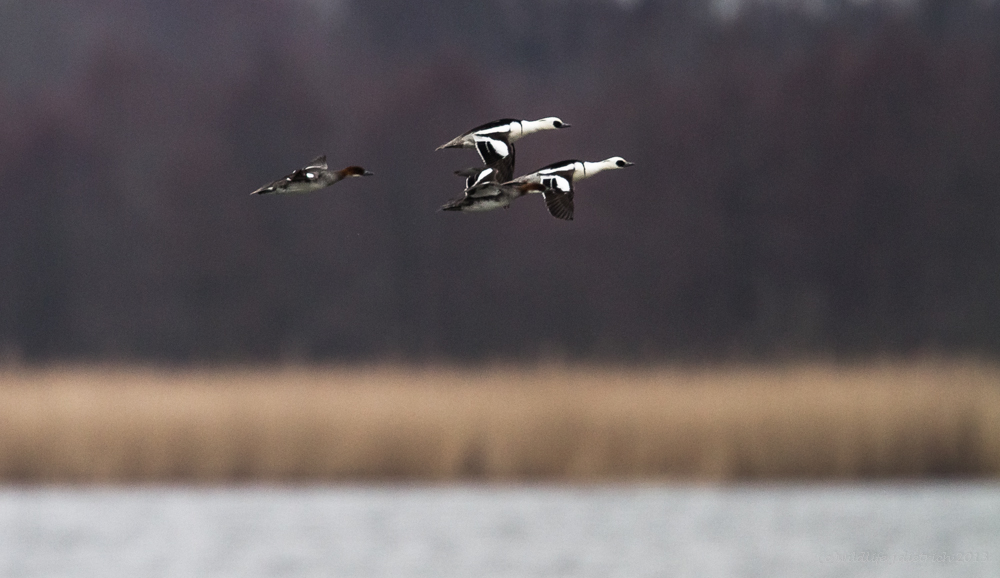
<point>555,182</point>
<point>312,177</point>
<point>494,141</point>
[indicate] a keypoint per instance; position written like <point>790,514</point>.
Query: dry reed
<point>808,421</point>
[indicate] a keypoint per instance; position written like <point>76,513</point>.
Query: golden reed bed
<point>807,421</point>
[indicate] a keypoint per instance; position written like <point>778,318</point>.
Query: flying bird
<point>494,141</point>
<point>487,198</point>
<point>554,182</point>
<point>312,177</point>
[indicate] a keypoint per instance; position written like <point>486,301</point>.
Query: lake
<point>502,531</point>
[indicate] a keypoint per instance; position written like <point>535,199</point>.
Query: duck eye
<point>620,163</point>
<point>557,124</point>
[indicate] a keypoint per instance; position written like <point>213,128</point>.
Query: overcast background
<point>811,179</point>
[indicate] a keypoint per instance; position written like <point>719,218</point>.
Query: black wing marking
<point>306,175</point>
<point>567,165</point>
<point>559,204</point>
<point>491,124</point>
<point>505,167</point>
<point>487,175</point>
<point>474,175</point>
<point>557,183</point>
<point>558,196</point>
<point>498,155</point>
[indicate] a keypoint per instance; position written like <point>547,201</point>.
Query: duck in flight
<point>554,182</point>
<point>492,196</point>
<point>494,141</point>
<point>312,177</point>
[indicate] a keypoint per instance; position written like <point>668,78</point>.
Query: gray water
<point>497,531</point>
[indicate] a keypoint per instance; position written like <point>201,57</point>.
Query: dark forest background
<point>815,179</point>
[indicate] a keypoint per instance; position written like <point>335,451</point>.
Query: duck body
<point>506,130</point>
<point>312,177</point>
<point>555,182</point>
<point>489,195</point>
<point>494,141</point>
<point>485,201</point>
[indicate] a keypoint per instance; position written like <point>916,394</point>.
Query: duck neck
<point>330,177</point>
<point>532,126</point>
<point>590,169</point>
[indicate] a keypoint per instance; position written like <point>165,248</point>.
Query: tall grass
<point>807,421</point>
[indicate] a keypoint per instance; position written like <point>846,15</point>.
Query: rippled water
<point>490,531</point>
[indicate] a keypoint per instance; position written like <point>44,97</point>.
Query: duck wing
<point>316,164</point>
<point>269,188</point>
<point>476,175</point>
<point>558,196</point>
<point>305,175</point>
<point>497,154</point>
<point>560,205</point>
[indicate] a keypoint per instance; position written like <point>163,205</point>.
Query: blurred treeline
<point>814,179</point>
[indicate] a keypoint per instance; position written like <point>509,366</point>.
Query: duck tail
<point>453,143</point>
<point>455,205</point>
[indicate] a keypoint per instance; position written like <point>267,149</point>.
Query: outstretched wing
<point>317,163</point>
<point>560,205</point>
<point>558,196</point>
<point>477,175</point>
<point>496,154</point>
